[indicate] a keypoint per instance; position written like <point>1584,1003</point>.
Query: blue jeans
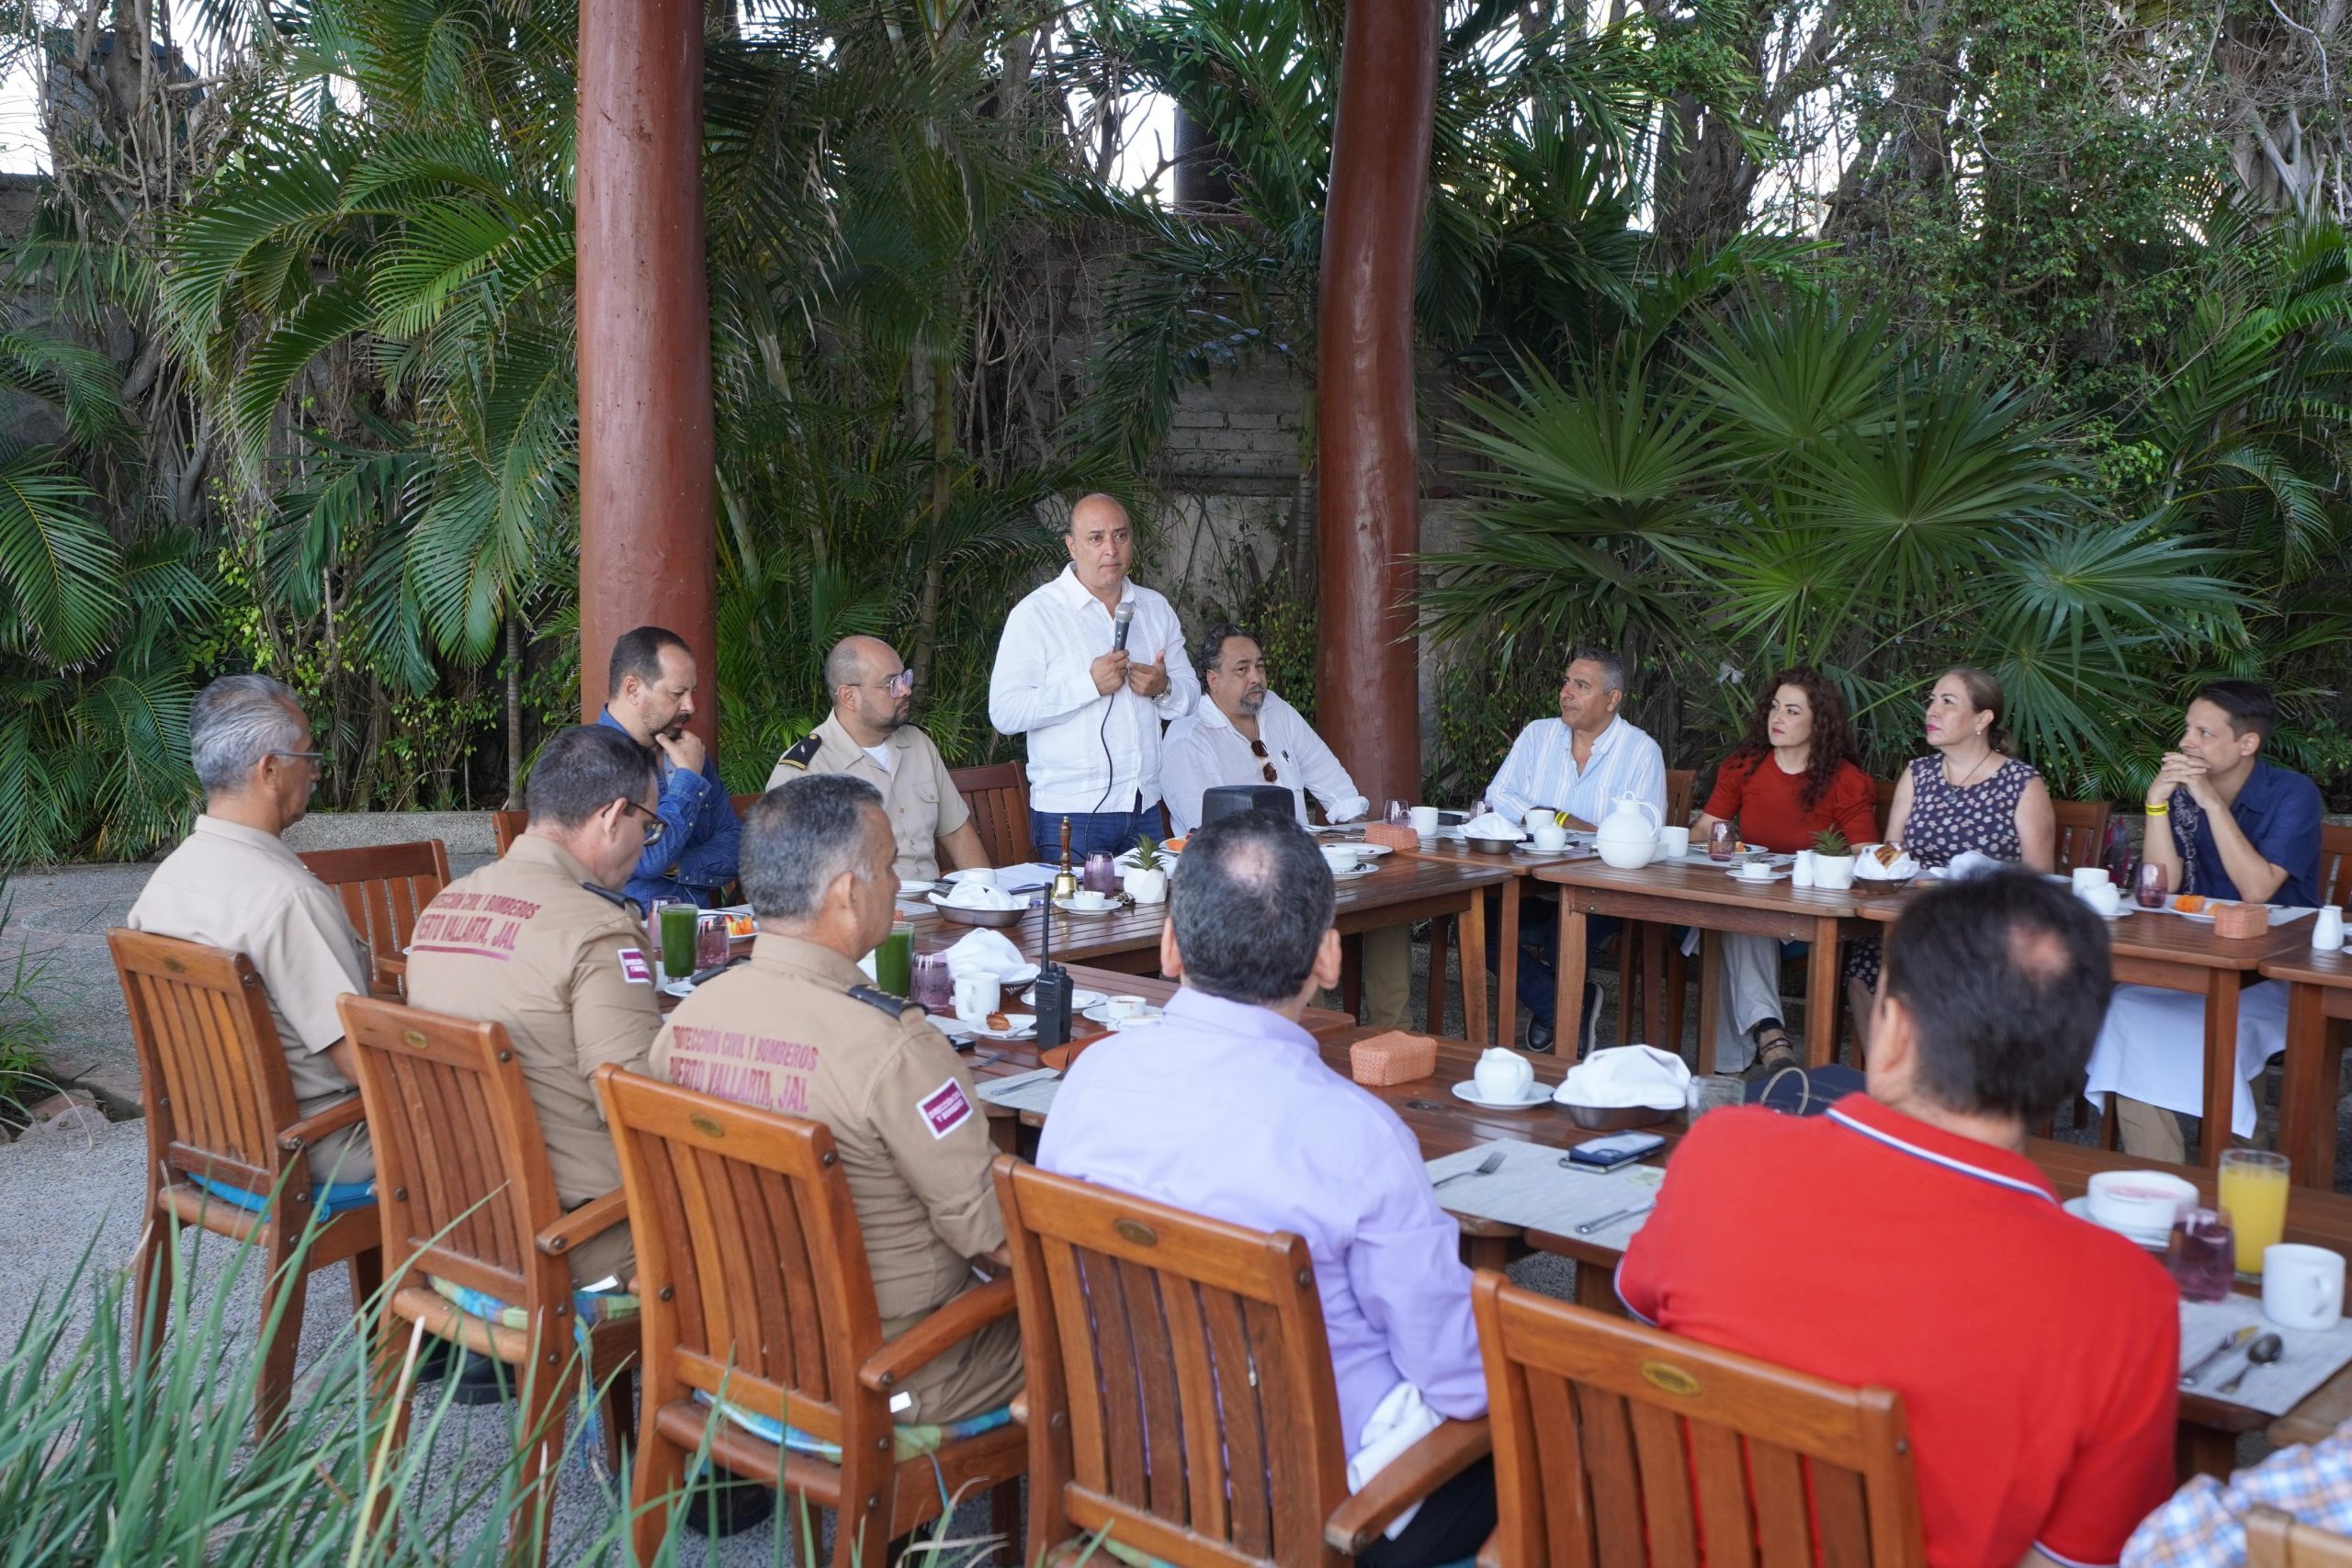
<point>1089,832</point>
<point>1539,942</point>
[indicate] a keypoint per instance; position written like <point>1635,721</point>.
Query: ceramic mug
<point>1424,820</point>
<point>1755,871</point>
<point>2303,1287</point>
<point>1673,842</point>
<point>976,996</point>
<point>1550,836</point>
<point>2086,877</point>
<point>1121,1008</point>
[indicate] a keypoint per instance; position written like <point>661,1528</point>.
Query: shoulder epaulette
<point>606,894</point>
<point>802,751</point>
<point>874,996</point>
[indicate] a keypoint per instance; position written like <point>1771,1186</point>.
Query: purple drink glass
<point>1102,875</point>
<point>2148,888</point>
<point>934,984</point>
<point>710,942</point>
<point>2201,1254</point>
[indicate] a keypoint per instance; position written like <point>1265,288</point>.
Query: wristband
<point>2158,810</point>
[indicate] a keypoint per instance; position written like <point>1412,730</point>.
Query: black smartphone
<point>1622,1148</point>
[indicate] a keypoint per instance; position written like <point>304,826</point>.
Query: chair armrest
<point>950,1325</point>
<point>1420,1470</point>
<point>345,1113</point>
<point>1020,1407</point>
<point>1491,1554</point>
<point>591,1218</point>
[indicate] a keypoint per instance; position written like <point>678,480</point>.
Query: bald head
<point>1101,543</point>
<point>872,692</point>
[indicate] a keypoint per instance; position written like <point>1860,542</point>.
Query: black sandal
<point>1773,1051</point>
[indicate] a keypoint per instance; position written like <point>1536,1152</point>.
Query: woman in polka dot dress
<point>1966,794</point>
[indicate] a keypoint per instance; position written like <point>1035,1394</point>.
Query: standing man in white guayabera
<point>1089,668</point>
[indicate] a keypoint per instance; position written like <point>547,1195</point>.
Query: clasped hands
<point>1116,669</point>
<point>2180,770</point>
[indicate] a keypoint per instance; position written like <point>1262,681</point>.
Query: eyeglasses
<point>1258,749</point>
<point>654,826</point>
<point>898,685</point>
<point>318,759</point>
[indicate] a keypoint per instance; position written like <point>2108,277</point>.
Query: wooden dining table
<point>2173,953</point>
<point>2318,999</point>
<point>1705,895</point>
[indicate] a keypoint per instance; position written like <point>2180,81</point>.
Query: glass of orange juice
<point>2253,1194</point>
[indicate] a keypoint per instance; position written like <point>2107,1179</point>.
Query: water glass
<point>1721,842</point>
<point>2201,1254</point>
<point>2251,1189</point>
<point>894,961</point>
<point>934,984</point>
<point>710,942</point>
<point>1398,814</point>
<point>1711,1092</point>
<point>2148,888</point>
<point>677,921</point>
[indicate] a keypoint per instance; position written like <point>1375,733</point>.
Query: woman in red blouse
<point>1794,775</point>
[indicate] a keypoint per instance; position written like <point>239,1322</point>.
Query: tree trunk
<point>513,709</point>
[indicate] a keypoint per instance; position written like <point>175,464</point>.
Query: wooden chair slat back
<point>742,803</point>
<point>2335,863</point>
<point>1617,1443</point>
<point>1679,784</point>
<point>211,1073</point>
<point>461,1166</point>
<point>751,1262</point>
<point>2082,831</point>
<point>2276,1539</point>
<point>999,796</point>
<point>1180,1384</point>
<point>505,826</point>
<point>383,887</point>
<point>1886,788</point>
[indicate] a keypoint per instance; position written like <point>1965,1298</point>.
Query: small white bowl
<point>2140,1200</point>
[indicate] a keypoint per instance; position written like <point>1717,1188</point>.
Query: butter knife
<point>2235,1338</point>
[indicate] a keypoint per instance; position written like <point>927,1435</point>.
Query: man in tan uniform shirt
<point>868,737</point>
<point>798,1030</point>
<point>233,884</point>
<point>543,942</point>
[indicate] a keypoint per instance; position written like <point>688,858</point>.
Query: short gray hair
<point>234,723</point>
<point>798,837</point>
<point>842,666</point>
<point>1613,668</point>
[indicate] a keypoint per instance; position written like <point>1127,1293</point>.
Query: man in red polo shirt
<point>1903,1240</point>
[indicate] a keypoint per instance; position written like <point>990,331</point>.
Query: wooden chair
<point>220,1106</point>
<point>999,796</point>
<point>2082,831</point>
<point>752,1269</point>
<point>1885,801</point>
<point>2335,862</point>
<point>2275,1540</point>
<point>1679,782</point>
<point>1615,1443</point>
<point>1180,1391</point>
<point>383,889</point>
<point>466,1197</point>
<point>505,826</point>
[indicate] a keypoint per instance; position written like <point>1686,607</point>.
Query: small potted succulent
<point>1146,882</point>
<point>1833,860</point>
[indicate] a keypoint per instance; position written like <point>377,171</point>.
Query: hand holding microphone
<point>1110,671</point>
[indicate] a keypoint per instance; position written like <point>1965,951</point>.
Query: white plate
<point>1069,907</point>
<point>681,987</point>
<point>1100,1013</point>
<point>1538,1094</point>
<point>1352,873</point>
<point>1081,999</point>
<point>2203,916</point>
<point>1024,1025</point>
<point>1776,875</point>
<point>2154,1242</point>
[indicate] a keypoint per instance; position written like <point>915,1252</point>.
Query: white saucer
<point>681,987</point>
<point>1080,1000</point>
<point>1775,877</point>
<point>1067,907</point>
<point>1538,1094</point>
<point>1024,1025</point>
<point>1352,873</point>
<point>2153,1241</point>
<point>1101,1014</point>
<point>2203,916</point>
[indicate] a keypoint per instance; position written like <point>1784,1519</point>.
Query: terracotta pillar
<point>647,486</point>
<point>1368,503</point>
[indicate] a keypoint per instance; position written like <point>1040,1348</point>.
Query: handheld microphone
<point>1119,623</point>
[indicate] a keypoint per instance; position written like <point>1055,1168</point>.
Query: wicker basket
<point>1392,1059</point>
<point>2238,921</point>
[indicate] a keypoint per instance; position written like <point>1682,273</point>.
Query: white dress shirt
<point>1541,771</point>
<point>1203,750</point>
<point>1087,753</point>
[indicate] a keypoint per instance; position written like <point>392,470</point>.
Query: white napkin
<point>985,952</point>
<point>1866,866</point>
<point>1401,1419</point>
<point>969,895</point>
<point>1493,824</point>
<point>1621,1077</point>
<point>1972,862</point>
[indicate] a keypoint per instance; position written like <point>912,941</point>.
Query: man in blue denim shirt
<point>650,694</point>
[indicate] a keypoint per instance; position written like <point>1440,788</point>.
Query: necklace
<point>1962,783</point>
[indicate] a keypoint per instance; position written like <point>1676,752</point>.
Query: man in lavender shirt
<point>1225,1109</point>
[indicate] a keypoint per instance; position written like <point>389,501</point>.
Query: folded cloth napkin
<point>1401,1419</point>
<point>985,952</point>
<point>1625,1075</point>
<point>1972,862</point>
<point>1493,824</point>
<point>969,895</point>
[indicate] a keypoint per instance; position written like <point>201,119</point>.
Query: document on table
<point>2305,1360</point>
<point>1533,1189</point>
<point>1027,877</point>
<point>1022,1092</point>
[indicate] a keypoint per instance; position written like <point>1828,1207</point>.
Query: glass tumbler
<point>710,942</point>
<point>2200,1255</point>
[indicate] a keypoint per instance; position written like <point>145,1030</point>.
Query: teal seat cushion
<point>906,1442</point>
<point>327,1201</point>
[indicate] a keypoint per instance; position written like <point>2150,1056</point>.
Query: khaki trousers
<point>1388,980</point>
<point>2150,1132</point>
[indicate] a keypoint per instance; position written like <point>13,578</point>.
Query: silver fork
<point>1488,1167</point>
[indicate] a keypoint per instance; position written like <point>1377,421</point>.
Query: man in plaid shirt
<point>2204,1523</point>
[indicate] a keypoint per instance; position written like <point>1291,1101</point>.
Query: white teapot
<point>1627,837</point>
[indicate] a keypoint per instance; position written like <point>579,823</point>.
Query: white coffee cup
<point>1755,871</point>
<point>1503,1077</point>
<point>1344,857</point>
<point>1087,899</point>
<point>1424,820</point>
<point>1120,1008</point>
<point>2101,897</point>
<point>2086,877</point>
<point>2138,1201</point>
<point>2303,1287</point>
<point>1538,813</point>
<point>1673,842</point>
<point>976,996</point>
<point>1549,836</point>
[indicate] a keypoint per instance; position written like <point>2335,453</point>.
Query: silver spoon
<point>1488,1167</point>
<point>2261,1353</point>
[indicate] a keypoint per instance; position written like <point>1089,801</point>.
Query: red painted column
<point>647,484</point>
<point>1368,502</point>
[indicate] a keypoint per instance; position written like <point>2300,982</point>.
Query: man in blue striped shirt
<point>1580,763</point>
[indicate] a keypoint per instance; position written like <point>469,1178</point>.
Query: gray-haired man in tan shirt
<point>233,884</point>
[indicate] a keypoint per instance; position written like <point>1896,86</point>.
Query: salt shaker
<point>1801,871</point>
<point>2327,929</point>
